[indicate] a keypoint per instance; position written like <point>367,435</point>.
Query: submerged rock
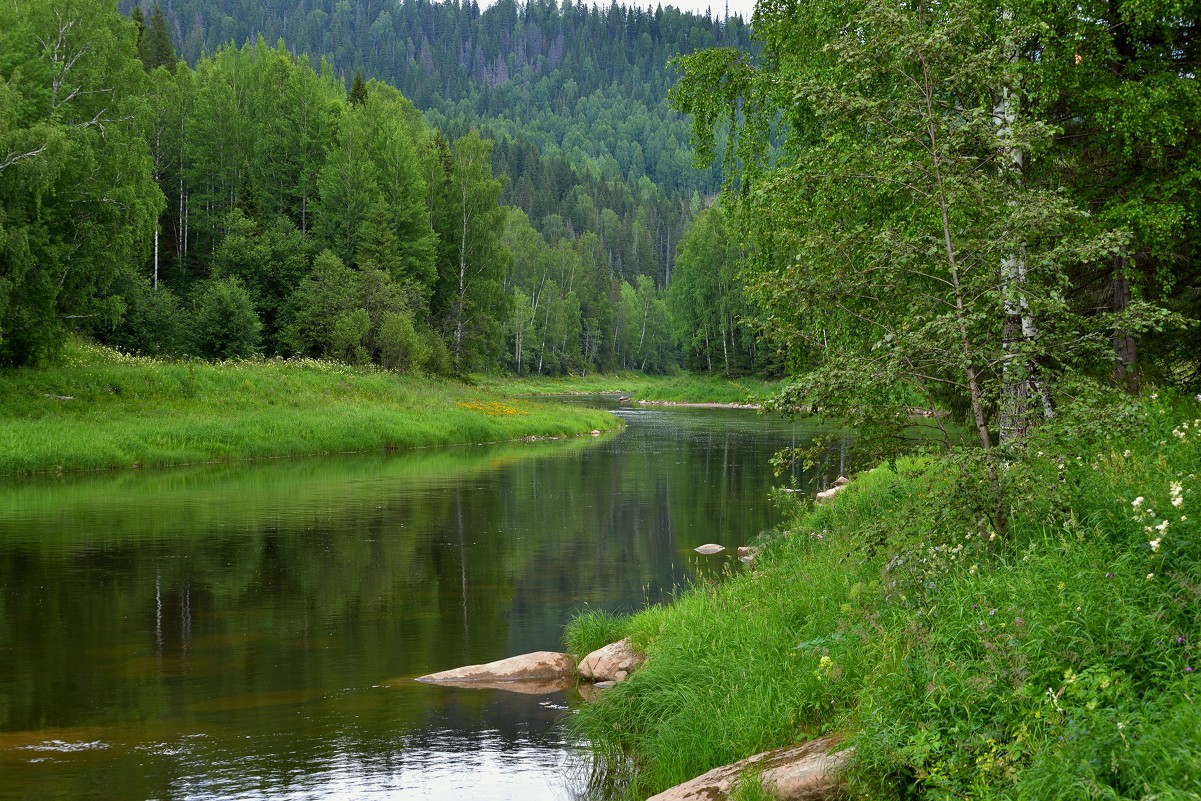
<point>521,686</point>
<point>709,549</point>
<point>811,771</point>
<point>614,662</point>
<point>540,665</point>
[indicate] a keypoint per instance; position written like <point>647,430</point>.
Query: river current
<point>253,631</point>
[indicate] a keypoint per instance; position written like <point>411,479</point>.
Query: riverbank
<point>1058,659</point>
<point>681,389</point>
<point>100,409</point>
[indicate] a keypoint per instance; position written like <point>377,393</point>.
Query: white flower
<point>1178,501</point>
<point>1126,453</point>
<point>1137,503</point>
<point>1154,545</point>
<point>1150,577</point>
<point>1162,527</point>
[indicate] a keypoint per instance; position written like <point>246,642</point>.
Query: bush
<point>150,325</point>
<point>223,323</point>
<point>401,347</point>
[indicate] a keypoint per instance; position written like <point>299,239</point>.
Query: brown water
<point>252,631</point>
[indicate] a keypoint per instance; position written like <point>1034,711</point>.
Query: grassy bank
<point>101,409</point>
<point>1058,661</point>
<point>679,388</point>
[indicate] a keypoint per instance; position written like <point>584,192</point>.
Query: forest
<point>260,196</point>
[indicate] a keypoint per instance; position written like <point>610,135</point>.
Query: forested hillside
<point>280,204</point>
<point>575,97</point>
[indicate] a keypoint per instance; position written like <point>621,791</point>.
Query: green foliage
<point>154,42</point>
<point>77,200</point>
<point>1056,664</point>
<point>223,323</point>
<point>705,298</point>
<point>151,323</point>
<point>402,348</point>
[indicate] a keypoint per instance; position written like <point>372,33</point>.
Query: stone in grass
<point>811,771</point>
<point>709,549</point>
<point>540,665</point>
<point>614,662</point>
<point>841,481</point>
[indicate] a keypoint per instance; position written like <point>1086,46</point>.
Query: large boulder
<point>540,665</point>
<point>811,771</point>
<point>614,662</point>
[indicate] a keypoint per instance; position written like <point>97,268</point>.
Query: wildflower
<point>1154,545</point>
<point>1162,527</point>
<point>1150,577</point>
<point>1126,453</point>
<point>1154,396</point>
<point>972,570</point>
<point>1137,503</point>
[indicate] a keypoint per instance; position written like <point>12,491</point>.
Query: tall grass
<point>679,388</point>
<point>102,409</point>
<point>1057,661</point>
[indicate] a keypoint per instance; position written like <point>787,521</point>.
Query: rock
<point>709,549</point>
<point>841,481</point>
<point>747,550</point>
<point>604,664</point>
<point>827,494</point>
<point>807,772</point>
<point>595,432</point>
<point>604,685</point>
<point>540,665</point>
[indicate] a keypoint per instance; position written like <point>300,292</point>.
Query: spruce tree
<point>358,90</point>
<point>154,42</point>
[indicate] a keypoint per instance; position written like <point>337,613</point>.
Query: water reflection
<point>249,631</point>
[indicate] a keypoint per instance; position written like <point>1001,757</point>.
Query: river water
<point>252,631</point>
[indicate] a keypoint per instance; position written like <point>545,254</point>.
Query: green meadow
<point>100,409</point>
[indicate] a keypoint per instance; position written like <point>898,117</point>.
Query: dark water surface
<point>251,631</point>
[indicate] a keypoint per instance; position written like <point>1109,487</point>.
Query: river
<point>252,631</point>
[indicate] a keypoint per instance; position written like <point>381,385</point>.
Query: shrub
<point>223,323</point>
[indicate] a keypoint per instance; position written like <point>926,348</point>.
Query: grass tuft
<point>592,629</point>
